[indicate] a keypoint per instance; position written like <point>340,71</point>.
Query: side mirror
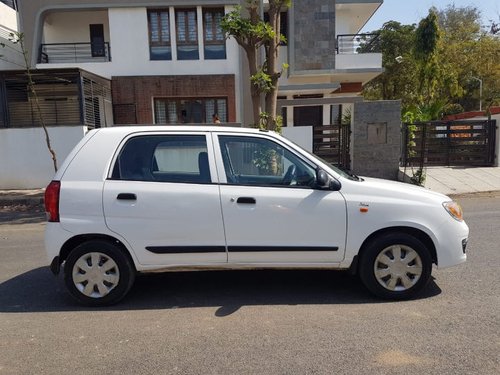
<point>325,182</point>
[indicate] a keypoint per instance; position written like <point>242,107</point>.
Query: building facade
<point>10,53</point>
<point>197,70</point>
<point>169,63</point>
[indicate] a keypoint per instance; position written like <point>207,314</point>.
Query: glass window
<point>189,111</point>
<point>258,161</point>
<point>187,34</point>
<point>159,35</point>
<point>173,158</point>
<point>214,43</point>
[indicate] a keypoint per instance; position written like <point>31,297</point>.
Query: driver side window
<point>261,162</point>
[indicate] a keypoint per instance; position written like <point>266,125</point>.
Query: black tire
<point>403,279</point>
<point>116,281</point>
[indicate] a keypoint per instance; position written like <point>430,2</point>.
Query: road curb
<point>21,198</point>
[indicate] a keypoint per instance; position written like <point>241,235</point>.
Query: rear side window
<point>172,158</point>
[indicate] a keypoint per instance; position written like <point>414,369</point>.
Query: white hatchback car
<point>141,199</point>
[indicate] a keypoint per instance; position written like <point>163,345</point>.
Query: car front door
<point>272,211</point>
<point>162,197</point>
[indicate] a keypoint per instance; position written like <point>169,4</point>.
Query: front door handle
<point>246,200</point>
<point>127,196</point>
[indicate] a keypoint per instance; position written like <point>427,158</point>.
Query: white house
<point>168,62</point>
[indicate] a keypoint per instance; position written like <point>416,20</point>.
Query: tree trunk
<point>251,48</point>
<point>31,88</point>
<point>254,92</point>
<point>272,54</point>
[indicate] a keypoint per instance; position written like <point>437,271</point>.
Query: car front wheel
<point>395,266</point>
<point>98,273</point>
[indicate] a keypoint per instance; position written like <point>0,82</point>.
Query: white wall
<point>10,55</point>
<point>302,135</point>
<point>8,17</point>
<point>73,27</point>
<point>358,61</point>
<point>26,162</point>
<point>350,16</point>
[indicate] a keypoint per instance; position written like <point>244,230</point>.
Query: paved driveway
<point>259,322</point>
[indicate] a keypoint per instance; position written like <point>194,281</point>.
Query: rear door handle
<point>127,196</point>
<point>246,200</point>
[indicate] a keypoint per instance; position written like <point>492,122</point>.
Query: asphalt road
<point>252,322</point>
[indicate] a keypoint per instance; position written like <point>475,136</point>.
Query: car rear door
<point>162,196</point>
<point>272,211</point>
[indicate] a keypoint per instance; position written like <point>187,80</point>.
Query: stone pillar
<point>376,139</point>
<point>312,41</point>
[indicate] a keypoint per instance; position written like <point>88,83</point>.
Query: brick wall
<point>133,96</point>
<point>376,138</point>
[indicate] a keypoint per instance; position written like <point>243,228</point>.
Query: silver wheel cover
<point>95,274</point>
<point>398,268</point>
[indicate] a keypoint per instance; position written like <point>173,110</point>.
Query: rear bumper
<point>55,237</point>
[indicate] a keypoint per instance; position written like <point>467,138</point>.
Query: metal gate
<point>332,143</point>
<point>449,143</point>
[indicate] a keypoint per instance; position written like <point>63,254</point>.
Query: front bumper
<point>452,243</point>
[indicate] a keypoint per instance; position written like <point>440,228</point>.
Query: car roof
<point>125,130</point>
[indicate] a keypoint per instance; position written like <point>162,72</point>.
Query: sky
<point>412,11</point>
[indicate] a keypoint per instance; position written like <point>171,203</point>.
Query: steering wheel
<point>290,174</point>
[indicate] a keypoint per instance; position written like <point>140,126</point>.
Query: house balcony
<point>71,38</point>
<point>65,53</point>
<point>357,57</point>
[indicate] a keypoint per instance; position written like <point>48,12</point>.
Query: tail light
<point>52,201</point>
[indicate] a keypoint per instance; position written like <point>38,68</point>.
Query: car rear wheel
<point>98,273</point>
<point>395,266</point>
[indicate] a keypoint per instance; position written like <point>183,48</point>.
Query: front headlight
<point>454,210</point>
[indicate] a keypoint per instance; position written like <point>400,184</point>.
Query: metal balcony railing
<point>57,53</point>
<point>357,43</point>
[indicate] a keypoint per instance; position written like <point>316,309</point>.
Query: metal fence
<point>64,98</point>
<point>449,143</point>
<point>332,143</point>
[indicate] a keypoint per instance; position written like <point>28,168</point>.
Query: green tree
<point>434,68</point>
<point>467,53</point>
<point>459,23</point>
<point>461,29</point>
<point>427,36</point>
<point>252,33</point>
<point>399,79</point>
